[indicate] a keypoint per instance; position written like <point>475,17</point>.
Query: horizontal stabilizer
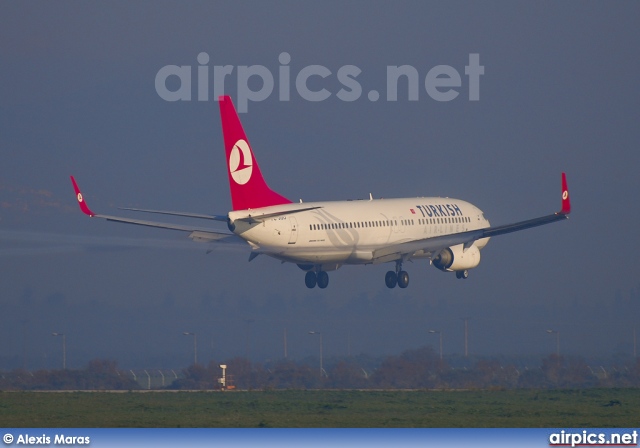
<point>251,219</point>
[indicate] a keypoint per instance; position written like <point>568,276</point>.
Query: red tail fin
<point>248,188</point>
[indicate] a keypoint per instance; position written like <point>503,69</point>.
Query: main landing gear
<point>462,274</point>
<point>397,277</point>
<point>321,278</point>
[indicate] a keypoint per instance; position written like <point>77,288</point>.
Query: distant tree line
<point>98,375</point>
<point>413,369</point>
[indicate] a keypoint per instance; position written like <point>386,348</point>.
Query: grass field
<point>290,408</point>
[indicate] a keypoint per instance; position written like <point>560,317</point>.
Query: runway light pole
<point>557,333</point>
<point>440,335</point>
<point>466,336</point>
<point>319,334</point>
<point>285,343</point>
<point>195,345</point>
<point>249,322</point>
<point>64,349</point>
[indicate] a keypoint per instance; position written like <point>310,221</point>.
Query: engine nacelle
<point>230,224</point>
<point>456,259</point>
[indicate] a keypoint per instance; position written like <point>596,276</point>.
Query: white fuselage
<point>349,232</point>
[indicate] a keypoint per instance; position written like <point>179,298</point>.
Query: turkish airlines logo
<point>79,197</point>
<point>241,162</point>
<point>565,195</point>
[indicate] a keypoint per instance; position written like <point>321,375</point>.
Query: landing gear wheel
<point>391,279</point>
<point>310,279</point>
<point>322,279</point>
<point>462,274</point>
<point>403,279</point>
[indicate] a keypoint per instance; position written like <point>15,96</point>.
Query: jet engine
<point>457,259</point>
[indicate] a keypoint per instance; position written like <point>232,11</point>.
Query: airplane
<point>323,236</point>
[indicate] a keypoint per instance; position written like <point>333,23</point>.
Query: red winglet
<point>83,205</point>
<point>566,201</point>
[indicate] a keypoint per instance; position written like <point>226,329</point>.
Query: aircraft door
<point>294,230</point>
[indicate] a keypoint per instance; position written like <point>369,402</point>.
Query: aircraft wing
<point>435,244</point>
<point>196,233</point>
<point>222,218</point>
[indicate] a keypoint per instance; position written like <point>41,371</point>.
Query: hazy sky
<point>559,92</point>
